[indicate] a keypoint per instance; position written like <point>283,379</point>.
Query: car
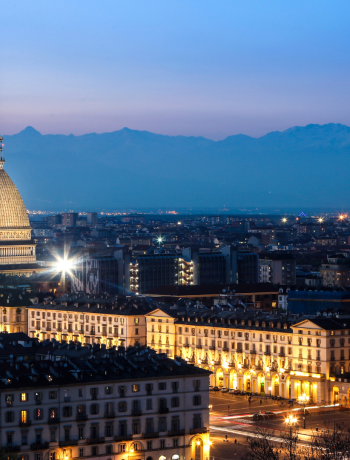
<point>248,393</point>
<point>257,416</point>
<point>211,388</point>
<point>236,392</point>
<point>231,392</point>
<point>216,389</point>
<point>270,415</point>
<point>301,412</point>
<point>224,390</point>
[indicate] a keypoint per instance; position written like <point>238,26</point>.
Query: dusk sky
<point>201,68</point>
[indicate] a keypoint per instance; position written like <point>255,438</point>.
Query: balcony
<point>176,433</point>
<point>198,430</point>
<point>115,335</point>
<point>282,354</point>
<point>253,352</point>
<point>37,328</point>
<point>53,420</point>
<point>155,434</point>
<point>9,448</point>
<point>186,345</point>
<point>225,348</point>
<point>267,353</point>
<point>211,347</point>
<point>81,417</point>
<point>24,424</point>
<point>136,412</point>
<point>163,410</point>
<point>110,414</point>
<point>39,445</point>
<point>95,440</point>
<point>68,443</point>
<point>199,346</point>
<point>125,437</point>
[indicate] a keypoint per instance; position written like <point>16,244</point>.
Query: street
<point>232,416</point>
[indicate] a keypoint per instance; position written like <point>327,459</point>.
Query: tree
<point>333,443</point>
<point>265,445</point>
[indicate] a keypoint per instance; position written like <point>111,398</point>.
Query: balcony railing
<point>110,414</point>
<point>176,433</point>
<point>23,424</point>
<point>39,445</point>
<point>95,440</point>
<point>124,437</point>
<point>198,430</point>
<point>155,434</point>
<point>225,348</point>
<point>211,347</point>
<point>136,412</point>
<point>81,417</point>
<point>163,410</point>
<point>68,443</point>
<point>53,420</point>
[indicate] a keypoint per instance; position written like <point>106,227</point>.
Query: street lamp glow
<point>159,240</point>
<point>291,420</point>
<point>284,220</point>
<point>320,220</point>
<point>304,399</point>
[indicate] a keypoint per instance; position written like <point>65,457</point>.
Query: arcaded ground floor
<point>286,384</point>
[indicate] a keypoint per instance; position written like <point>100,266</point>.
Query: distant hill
<point>301,167</point>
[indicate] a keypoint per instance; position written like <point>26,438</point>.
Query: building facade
<point>90,319</point>
<point>77,403</point>
<point>269,355</point>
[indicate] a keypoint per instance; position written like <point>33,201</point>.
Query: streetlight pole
<point>303,399</point>
<point>291,421</point>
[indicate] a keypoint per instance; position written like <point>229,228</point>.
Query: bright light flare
<point>64,265</point>
<point>284,220</point>
<point>320,219</point>
<point>159,239</point>
<point>291,420</point>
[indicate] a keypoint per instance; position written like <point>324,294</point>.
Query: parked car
<point>216,389</point>
<point>211,387</point>
<point>224,390</point>
<point>231,392</point>
<point>236,392</point>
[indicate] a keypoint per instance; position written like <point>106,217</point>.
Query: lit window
<point>23,396</point>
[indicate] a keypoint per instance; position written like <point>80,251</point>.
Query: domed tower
<point>17,250</point>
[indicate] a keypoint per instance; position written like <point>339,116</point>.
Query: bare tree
<point>333,443</point>
<point>265,445</point>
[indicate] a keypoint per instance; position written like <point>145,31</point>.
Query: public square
<point>232,416</point>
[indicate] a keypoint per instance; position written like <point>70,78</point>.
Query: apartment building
<point>13,310</point>
<point>70,402</point>
<point>267,354</point>
<point>89,319</point>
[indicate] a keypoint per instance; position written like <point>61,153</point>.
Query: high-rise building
<point>277,268</point>
<point>17,249</point>
<point>69,219</point>
<point>92,218</point>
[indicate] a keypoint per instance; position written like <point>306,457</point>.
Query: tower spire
<point>2,160</point>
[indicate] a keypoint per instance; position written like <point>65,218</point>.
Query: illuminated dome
<point>14,221</point>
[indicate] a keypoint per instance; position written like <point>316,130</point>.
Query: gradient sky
<point>191,67</point>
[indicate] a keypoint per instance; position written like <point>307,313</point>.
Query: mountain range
<point>300,167</point>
